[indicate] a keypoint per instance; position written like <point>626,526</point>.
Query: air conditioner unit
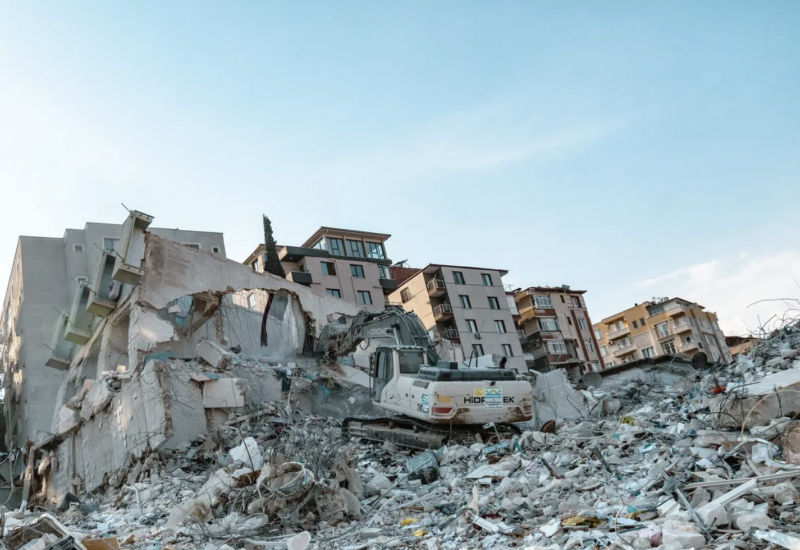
<point>477,335</point>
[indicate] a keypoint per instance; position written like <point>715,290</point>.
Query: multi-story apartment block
<point>52,284</point>
<point>663,326</point>
<point>555,330</point>
<point>351,265</point>
<point>467,305</point>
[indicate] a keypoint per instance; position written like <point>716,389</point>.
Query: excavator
<point>428,402</point>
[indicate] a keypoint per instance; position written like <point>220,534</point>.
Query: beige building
<point>663,326</point>
<point>351,265</point>
<point>556,331</point>
<point>468,305</point>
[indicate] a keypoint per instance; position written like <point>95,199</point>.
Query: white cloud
<point>730,285</point>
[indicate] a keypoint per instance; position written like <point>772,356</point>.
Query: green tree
<point>272,264</point>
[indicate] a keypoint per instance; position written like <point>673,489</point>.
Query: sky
<point>630,149</point>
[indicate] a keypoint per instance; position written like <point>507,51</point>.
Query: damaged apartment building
<point>556,331</point>
<point>662,326</point>
<point>155,344</point>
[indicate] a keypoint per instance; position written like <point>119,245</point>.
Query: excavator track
<point>410,432</point>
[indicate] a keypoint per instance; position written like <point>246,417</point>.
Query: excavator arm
<point>394,322</point>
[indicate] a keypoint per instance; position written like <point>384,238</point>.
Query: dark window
<point>501,326</point>
<point>335,246</point>
<point>635,324</point>
<point>641,322</point>
<point>473,326</point>
<point>328,268</point>
<point>410,362</point>
<point>364,297</point>
<point>405,295</point>
<point>576,302</point>
<point>487,279</point>
<point>465,303</point>
<point>507,350</point>
<point>375,251</point>
<point>569,321</point>
<point>494,303</point>
<point>77,248</point>
<point>215,249</point>
<point>458,277</point>
<point>357,271</point>
<point>356,248</point>
<point>334,292</point>
<point>562,299</point>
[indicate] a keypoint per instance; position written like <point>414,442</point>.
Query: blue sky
<point>633,149</point>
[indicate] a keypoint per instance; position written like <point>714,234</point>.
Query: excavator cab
<point>390,362</point>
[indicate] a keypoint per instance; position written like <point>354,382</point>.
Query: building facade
<point>48,279</point>
<point>556,331</point>
<point>467,305</point>
<point>344,263</point>
<point>663,326</point>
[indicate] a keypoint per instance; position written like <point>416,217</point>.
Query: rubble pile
<point>697,463</point>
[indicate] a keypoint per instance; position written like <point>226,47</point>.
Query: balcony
<point>388,285</point>
<point>692,346</point>
<point>442,312</point>
<point>449,333</point>
<point>521,334</point>
<point>296,253</point>
<point>680,328</point>
<point>618,333</point>
<point>621,351</point>
<point>436,287</point>
<point>300,277</point>
<point>675,310</point>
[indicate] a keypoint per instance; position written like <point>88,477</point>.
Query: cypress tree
<point>272,264</point>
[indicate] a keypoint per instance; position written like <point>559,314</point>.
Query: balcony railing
<point>680,327</point>
<point>619,351</point>
<point>521,334</point>
<point>449,333</point>
<point>436,287</point>
<point>619,333</point>
<point>442,310</point>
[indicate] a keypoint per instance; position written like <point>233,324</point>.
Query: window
<point>543,302</point>
<point>548,323</point>
<point>111,244</point>
<point>569,321</point>
<point>589,344</point>
<point>215,250</point>
<point>410,361</point>
<point>81,281</point>
<point>334,292</point>
<point>405,295</point>
<point>688,340</point>
<point>375,250</point>
<point>494,303</point>
<point>582,323</point>
<point>507,351</point>
<point>364,297</point>
<point>598,333</point>
<point>251,301</point>
<point>487,279</point>
<point>465,303</point>
<point>458,277</point>
<point>649,352</point>
<point>335,246</point>
<point>576,302</point>
<point>193,246</point>
<point>478,349</point>
<point>77,248</point>
<point>562,299</point>
<point>255,265</point>
<point>472,325</point>
<point>357,271</point>
<point>610,364</point>
<point>501,326</point>
<point>383,272</point>
<point>356,248</point>
<point>641,322</point>
<point>319,245</point>
<point>668,346</point>
<point>603,351</point>
<point>328,268</point>
<point>662,329</point>
<point>635,324</point>
<point>556,347</point>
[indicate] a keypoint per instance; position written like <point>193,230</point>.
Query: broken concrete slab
<point>225,393</point>
<point>214,354</point>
